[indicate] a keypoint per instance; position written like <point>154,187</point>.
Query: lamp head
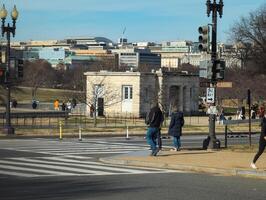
<point>14,13</point>
<point>3,12</point>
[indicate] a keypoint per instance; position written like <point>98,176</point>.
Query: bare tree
<point>38,74</point>
<point>250,33</point>
<point>101,88</point>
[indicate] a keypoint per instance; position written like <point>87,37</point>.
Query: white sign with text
<point>210,95</point>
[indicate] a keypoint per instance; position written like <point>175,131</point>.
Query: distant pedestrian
<point>34,104</point>
<point>221,116</point>
<point>14,103</point>
<point>68,105</point>
<point>91,111</point>
<point>243,113</point>
<point>63,106</point>
<point>56,104</point>
<point>154,120</point>
<point>262,142</point>
<point>74,103</point>
<point>175,127</point>
<point>253,114</point>
<point>261,111</point>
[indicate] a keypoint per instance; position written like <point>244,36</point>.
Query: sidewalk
<point>223,162</point>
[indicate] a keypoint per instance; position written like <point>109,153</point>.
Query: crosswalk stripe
<point>84,150</point>
<point>93,165</point>
<point>80,153</point>
<point>7,166</point>
<point>55,167</point>
<point>17,174</point>
<point>76,148</point>
<point>69,158</point>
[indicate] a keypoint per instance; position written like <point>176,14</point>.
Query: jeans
<point>177,142</point>
<point>157,137</point>
<point>151,136</point>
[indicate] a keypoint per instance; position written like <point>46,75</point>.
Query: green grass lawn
<point>24,94</point>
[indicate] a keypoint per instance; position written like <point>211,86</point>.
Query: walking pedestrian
<point>261,111</point>
<point>154,120</point>
<point>34,104</point>
<point>56,104</point>
<point>221,116</point>
<point>74,103</point>
<point>262,142</point>
<point>14,103</point>
<point>68,105</point>
<point>253,114</point>
<point>175,127</point>
<point>63,106</point>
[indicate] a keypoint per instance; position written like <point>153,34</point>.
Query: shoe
<point>174,149</point>
<point>154,153</point>
<point>253,166</point>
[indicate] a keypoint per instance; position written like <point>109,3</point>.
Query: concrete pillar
<point>160,87</point>
<point>180,98</point>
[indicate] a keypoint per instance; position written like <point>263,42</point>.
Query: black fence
<point>35,119</point>
<point>50,119</point>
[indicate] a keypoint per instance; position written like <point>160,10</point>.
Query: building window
<point>127,92</point>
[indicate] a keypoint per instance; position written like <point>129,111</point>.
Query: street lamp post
<point>214,8</point>
<point>8,30</point>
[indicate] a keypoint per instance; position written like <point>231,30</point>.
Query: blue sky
<point>145,20</point>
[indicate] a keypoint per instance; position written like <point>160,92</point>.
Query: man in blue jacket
<point>154,120</point>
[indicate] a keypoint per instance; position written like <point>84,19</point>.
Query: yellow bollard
<point>127,134</point>
<point>80,138</point>
<point>60,131</point>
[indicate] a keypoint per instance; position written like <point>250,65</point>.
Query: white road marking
<point>55,167</point>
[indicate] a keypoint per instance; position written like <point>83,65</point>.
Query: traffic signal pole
<point>214,8</point>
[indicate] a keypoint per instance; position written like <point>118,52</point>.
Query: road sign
<point>210,95</point>
<point>224,84</point>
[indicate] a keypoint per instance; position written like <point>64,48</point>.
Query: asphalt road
<point>33,169</point>
<point>170,186</point>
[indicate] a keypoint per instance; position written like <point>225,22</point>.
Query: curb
<point>233,172</point>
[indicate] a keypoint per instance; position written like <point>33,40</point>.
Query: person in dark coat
<point>175,127</point>
<point>34,104</point>
<point>262,143</point>
<point>154,120</point>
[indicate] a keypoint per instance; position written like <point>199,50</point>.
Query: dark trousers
<point>158,139</point>
<point>262,145</point>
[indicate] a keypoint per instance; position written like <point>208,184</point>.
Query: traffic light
<point>204,38</point>
<point>20,66</point>
<point>2,75</point>
<point>219,69</point>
